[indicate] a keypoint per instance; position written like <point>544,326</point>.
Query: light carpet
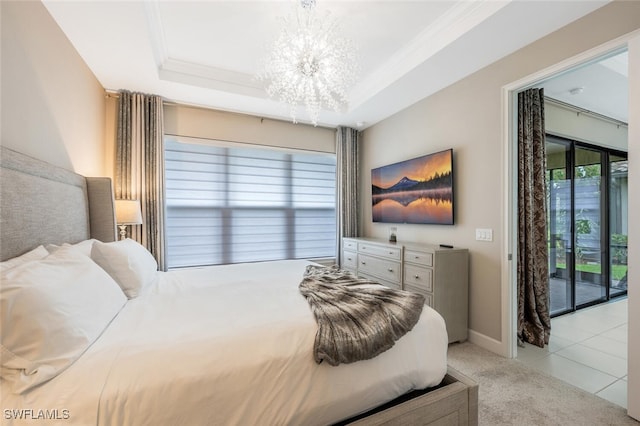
<point>512,393</point>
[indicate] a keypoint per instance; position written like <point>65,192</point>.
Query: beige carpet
<point>512,393</point>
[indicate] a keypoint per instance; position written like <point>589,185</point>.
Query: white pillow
<point>52,310</point>
<point>35,254</point>
<point>83,247</point>
<point>128,262</point>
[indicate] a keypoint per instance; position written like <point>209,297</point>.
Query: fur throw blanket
<point>357,318</point>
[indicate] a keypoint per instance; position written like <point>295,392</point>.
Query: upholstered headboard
<point>45,204</point>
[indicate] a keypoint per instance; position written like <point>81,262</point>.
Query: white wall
<point>53,107</point>
<point>633,389</point>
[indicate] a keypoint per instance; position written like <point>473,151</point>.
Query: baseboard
<point>487,343</point>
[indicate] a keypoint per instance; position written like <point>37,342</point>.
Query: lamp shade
<point>128,212</point>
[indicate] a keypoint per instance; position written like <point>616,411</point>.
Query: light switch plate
<point>484,234</point>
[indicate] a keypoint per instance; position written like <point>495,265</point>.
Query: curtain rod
<point>116,95</point>
<point>253,144</point>
<point>585,111</point>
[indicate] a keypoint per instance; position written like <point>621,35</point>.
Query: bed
<point>228,344</point>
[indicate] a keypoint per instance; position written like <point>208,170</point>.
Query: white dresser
<point>440,274</point>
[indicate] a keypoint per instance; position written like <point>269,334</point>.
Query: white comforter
<point>227,345</point>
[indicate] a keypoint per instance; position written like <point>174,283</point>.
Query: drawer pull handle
<point>364,263</point>
<point>390,270</point>
<point>348,258</point>
<point>390,252</point>
<point>417,257</point>
<point>417,277</point>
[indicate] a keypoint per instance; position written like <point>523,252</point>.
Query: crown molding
<point>156,31</point>
<point>194,74</point>
<point>210,78</point>
<point>456,22</point>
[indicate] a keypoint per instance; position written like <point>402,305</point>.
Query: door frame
<point>509,180</point>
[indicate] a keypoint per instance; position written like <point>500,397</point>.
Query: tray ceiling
<point>206,53</point>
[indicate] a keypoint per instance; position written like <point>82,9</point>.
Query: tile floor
<point>588,349</point>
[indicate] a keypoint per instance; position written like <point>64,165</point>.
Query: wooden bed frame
<point>45,204</point>
<point>453,402</point>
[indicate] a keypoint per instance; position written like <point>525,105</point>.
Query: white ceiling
<point>206,53</point>
<point>600,87</point>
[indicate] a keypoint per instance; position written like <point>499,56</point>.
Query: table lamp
<point>127,213</point>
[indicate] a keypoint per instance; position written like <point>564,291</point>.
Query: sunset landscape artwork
<point>419,190</point>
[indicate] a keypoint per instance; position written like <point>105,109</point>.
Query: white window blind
<point>232,204</point>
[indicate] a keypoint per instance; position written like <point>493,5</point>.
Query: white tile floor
<point>588,349</point>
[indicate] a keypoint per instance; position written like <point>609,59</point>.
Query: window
<point>231,203</point>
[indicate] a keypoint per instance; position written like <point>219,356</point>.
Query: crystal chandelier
<point>310,64</point>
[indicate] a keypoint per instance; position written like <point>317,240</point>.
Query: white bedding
<point>227,345</point>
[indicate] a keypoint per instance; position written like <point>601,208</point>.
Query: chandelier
<point>310,64</point>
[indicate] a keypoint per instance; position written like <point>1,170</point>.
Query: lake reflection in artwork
<point>414,191</point>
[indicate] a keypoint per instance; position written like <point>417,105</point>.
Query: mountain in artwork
<point>407,184</point>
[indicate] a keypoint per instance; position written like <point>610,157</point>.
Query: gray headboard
<point>45,204</point>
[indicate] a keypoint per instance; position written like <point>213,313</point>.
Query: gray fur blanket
<point>356,320</point>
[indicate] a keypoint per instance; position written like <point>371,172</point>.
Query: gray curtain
<point>534,322</point>
<point>139,173</point>
<point>347,204</point>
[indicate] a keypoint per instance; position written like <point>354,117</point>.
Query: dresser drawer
<point>349,260</point>
<point>390,284</point>
<point>349,245</point>
<point>428,297</point>
<point>381,268</point>
<point>382,251</point>
<point>420,257</point>
<point>416,276</point>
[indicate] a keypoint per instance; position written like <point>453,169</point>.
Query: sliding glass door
<point>587,224</point>
<point>618,223</point>
<point>559,214</point>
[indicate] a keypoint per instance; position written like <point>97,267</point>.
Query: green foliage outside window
<point>583,226</point>
<point>619,249</point>
<point>617,271</point>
